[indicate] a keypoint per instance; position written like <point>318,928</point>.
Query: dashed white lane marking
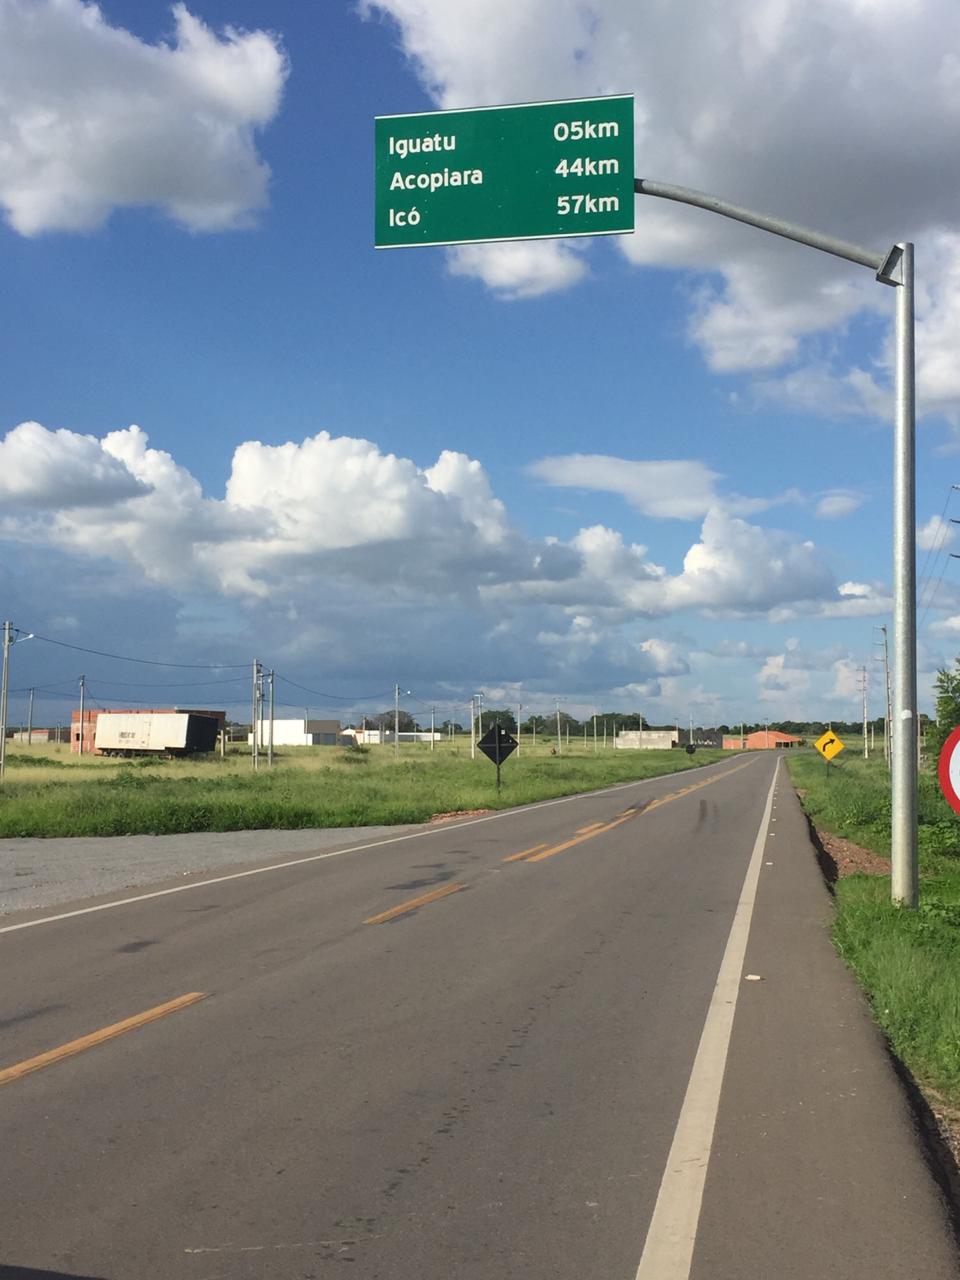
<point>668,1251</point>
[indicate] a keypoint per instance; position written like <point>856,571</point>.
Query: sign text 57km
<point>522,172</point>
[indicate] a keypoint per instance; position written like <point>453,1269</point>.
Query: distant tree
<point>502,716</point>
<point>384,720</point>
<point>947,686</point>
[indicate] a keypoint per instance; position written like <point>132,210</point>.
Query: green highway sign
<point>525,172</point>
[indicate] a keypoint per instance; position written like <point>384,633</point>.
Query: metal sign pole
<point>903,829</point>
<point>894,268</point>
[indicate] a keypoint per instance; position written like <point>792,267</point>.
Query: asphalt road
<point>493,1083</point>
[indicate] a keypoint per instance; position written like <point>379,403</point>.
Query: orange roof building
<point>761,740</point>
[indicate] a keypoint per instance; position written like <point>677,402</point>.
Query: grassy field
<point>907,961</point>
<point>50,792</point>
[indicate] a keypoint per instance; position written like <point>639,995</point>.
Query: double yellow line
<point>539,852</point>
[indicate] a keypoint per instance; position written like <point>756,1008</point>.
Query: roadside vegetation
<point>907,961</point>
<point>50,792</point>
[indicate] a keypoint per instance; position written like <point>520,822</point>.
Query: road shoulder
<point>819,1165</point>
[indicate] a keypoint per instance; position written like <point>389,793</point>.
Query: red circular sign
<point>948,770</point>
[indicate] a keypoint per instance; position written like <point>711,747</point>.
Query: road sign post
<point>497,744</point>
<point>478,177</point>
<point>526,172</point>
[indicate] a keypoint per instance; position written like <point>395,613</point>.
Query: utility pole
<point>519,709</point>
<point>255,715</point>
<point>559,741</point>
<point>594,733</point>
<point>270,735</point>
<point>83,686</point>
<point>4,684</point>
<point>863,691</point>
<point>473,730</point>
<point>30,719</point>
<point>396,722</point>
<point>480,714</point>
<point>888,720</point>
<point>604,735</point>
<point>433,726</point>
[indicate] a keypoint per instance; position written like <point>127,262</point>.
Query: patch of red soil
<point>852,860</point>
<point>459,813</point>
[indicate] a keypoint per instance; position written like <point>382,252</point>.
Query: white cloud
<point>779,682</point>
<point>681,489</point>
<point>349,543</point>
<point>672,489</point>
<point>520,269</point>
<point>52,469</point>
<point>838,503</point>
<point>837,116</point>
<point>93,119</point>
<point>739,567</point>
<point>936,533</point>
<point>847,677</point>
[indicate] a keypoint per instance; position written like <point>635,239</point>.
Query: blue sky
<point>265,315</point>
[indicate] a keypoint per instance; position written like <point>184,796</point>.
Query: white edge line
<point>336,853</point>
<point>507,106</point>
<point>668,1251</point>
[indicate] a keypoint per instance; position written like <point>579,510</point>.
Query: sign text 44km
<point>524,172</point>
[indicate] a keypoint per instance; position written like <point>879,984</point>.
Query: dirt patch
<point>459,813</point>
<point>851,859</point>
<point>948,1121</point>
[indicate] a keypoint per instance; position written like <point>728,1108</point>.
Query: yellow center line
<point>568,844</point>
<point>593,826</point>
<point>524,853</point>
<point>412,905</point>
<point>47,1059</point>
<point>588,833</point>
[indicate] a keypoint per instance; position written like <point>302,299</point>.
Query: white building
<point>300,733</point>
<point>379,737</point>
<point>646,739</point>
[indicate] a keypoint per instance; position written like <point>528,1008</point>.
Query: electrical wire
<point>181,684</point>
<point>935,549</point>
<point>330,697</point>
<point>146,662</point>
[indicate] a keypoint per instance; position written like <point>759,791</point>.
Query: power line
<point>330,697</point>
<point>180,684</point>
<point>935,549</point>
<point>146,662</point>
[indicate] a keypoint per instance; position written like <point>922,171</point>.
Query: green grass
<point>851,798</point>
<point>908,962</point>
<point>307,787</point>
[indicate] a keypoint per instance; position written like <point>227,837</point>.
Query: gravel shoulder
<point>45,873</point>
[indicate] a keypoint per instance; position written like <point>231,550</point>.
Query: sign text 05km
<point>525,172</point>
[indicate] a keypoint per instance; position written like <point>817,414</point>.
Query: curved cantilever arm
<point>884,264</point>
